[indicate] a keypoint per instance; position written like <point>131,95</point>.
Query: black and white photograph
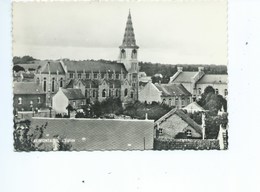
<point>97,76</point>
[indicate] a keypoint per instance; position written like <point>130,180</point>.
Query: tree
<point>69,109</point>
<point>18,68</point>
<point>23,60</point>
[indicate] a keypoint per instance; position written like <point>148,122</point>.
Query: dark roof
<point>185,77</point>
<point>70,84</point>
<point>73,94</point>
<point>213,79</point>
<point>172,90</point>
<point>116,83</point>
<point>183,116</point>
<point>98,134</point>
<point>87,82</point>
<point>53,67</point>
<point>95,66</point>
<point>27,88</point>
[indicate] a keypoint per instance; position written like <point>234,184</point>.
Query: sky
<point>187,32</point>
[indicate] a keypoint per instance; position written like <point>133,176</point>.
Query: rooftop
<point>27,88</point>
<point>172,89</point>
<point>73,94</point>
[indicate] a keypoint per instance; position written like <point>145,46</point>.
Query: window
<point>38,80</point>
<point>132,95</point>
<point>38,100</point>
<point>71,75</point>
<point>216,91</point>
<point>117,75</point>
<point>182,101</point>
<point>79,75</point>
<point>163,101</point>
<point>19,100</point>
<point>170,102</point>
<point>110,75</point>
<point>176,101</point>
<point>94,93</point>
<point>188,133</point>
<point>61,82</point>
<point>95,75</point>
<point>225,92</point>
<point>110,93</point>
<point>126,92</point>
<point>53,85</point>
<point>134,54</point>
<point>44,84</point>
<point>160,131</point>
<point>87,75</point>
<point>199,91</point>
<point>74,103</point>
<point>102,75</point>
<point>104,93</point>
<point>117,93</point>
<point>123,55</point>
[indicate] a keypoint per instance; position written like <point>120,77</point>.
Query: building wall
<point>181,101</point>
<point>77,104</point>
<point>174,125</point>
<point>26,101</point>
<point>149,94</point>
<point>60,102</point>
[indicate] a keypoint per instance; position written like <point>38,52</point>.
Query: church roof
<point>129,36</point>
<point>53,67</point>
<point>185,77</point>
<point>172,90</point>
<point>88,82</point>
<point>94,66</point>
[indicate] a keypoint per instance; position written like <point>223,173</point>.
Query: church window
<point>61,82</point>
<point>117,93</point>
<point>95,75</point>
<point>53,85</point>
<point>176,102</point>
<point>110,75</point>
<point>19,100</point>
<point>38,100</point>
<point>110,93</point>
<point>126,92</point>
<point>134,52</point>
<point>123,54</point>
<point>170,102</point>
<point>132,95</point>
<point>44,84</point>
<point>225,92</point>
<point>71,75</point>
<point>87,75</point>
<point>79,75</point>
<point>117,75</point>
<point>216,91</point>
<point>104,93</point>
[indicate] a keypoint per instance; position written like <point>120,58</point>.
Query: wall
<point>60,102</point>
<point>186,144</point>
<point>221,87</point>
<point>149,94</point>
<point>26,99</point>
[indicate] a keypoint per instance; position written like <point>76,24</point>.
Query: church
<point>97,80</point>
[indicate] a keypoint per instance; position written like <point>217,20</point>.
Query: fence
<point>186,144</point>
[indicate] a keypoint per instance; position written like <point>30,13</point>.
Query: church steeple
<point>129,36</point>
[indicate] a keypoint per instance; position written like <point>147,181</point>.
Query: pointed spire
<point>129,36</point>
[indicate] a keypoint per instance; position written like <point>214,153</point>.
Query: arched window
<point>39,100</point>
<point>134,54</point>
<point>110,93</point>
<point>126,92</point>
<point>123,55</point>
<point>53,85</point>
<point>170,102</point>
<point>94,93</point>
<point>104,93</point>
<point>216,91</point>
<point>176,101</point>
<point>61,82</point>
<point>117,93</point>
<point>44,84</point>
<point>132,95</point>
<point>19,100</point>
<point>38,80</point>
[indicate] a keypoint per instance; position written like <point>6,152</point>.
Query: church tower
<point>128,55</point>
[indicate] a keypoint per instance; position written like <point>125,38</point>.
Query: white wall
<point>60,102</point>
<point>150,93</point>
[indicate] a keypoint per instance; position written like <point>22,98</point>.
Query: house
<point>96,134</point>
<point>28,96</point>
<point>64,97</point>
<point>196,81</point>
<point>193,107</point>
<point>176,124</point>
<point>170,94</point>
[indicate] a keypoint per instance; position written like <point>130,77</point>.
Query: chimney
<point>180,68</point>
<point>201,68</point>
<point>146,116</point>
